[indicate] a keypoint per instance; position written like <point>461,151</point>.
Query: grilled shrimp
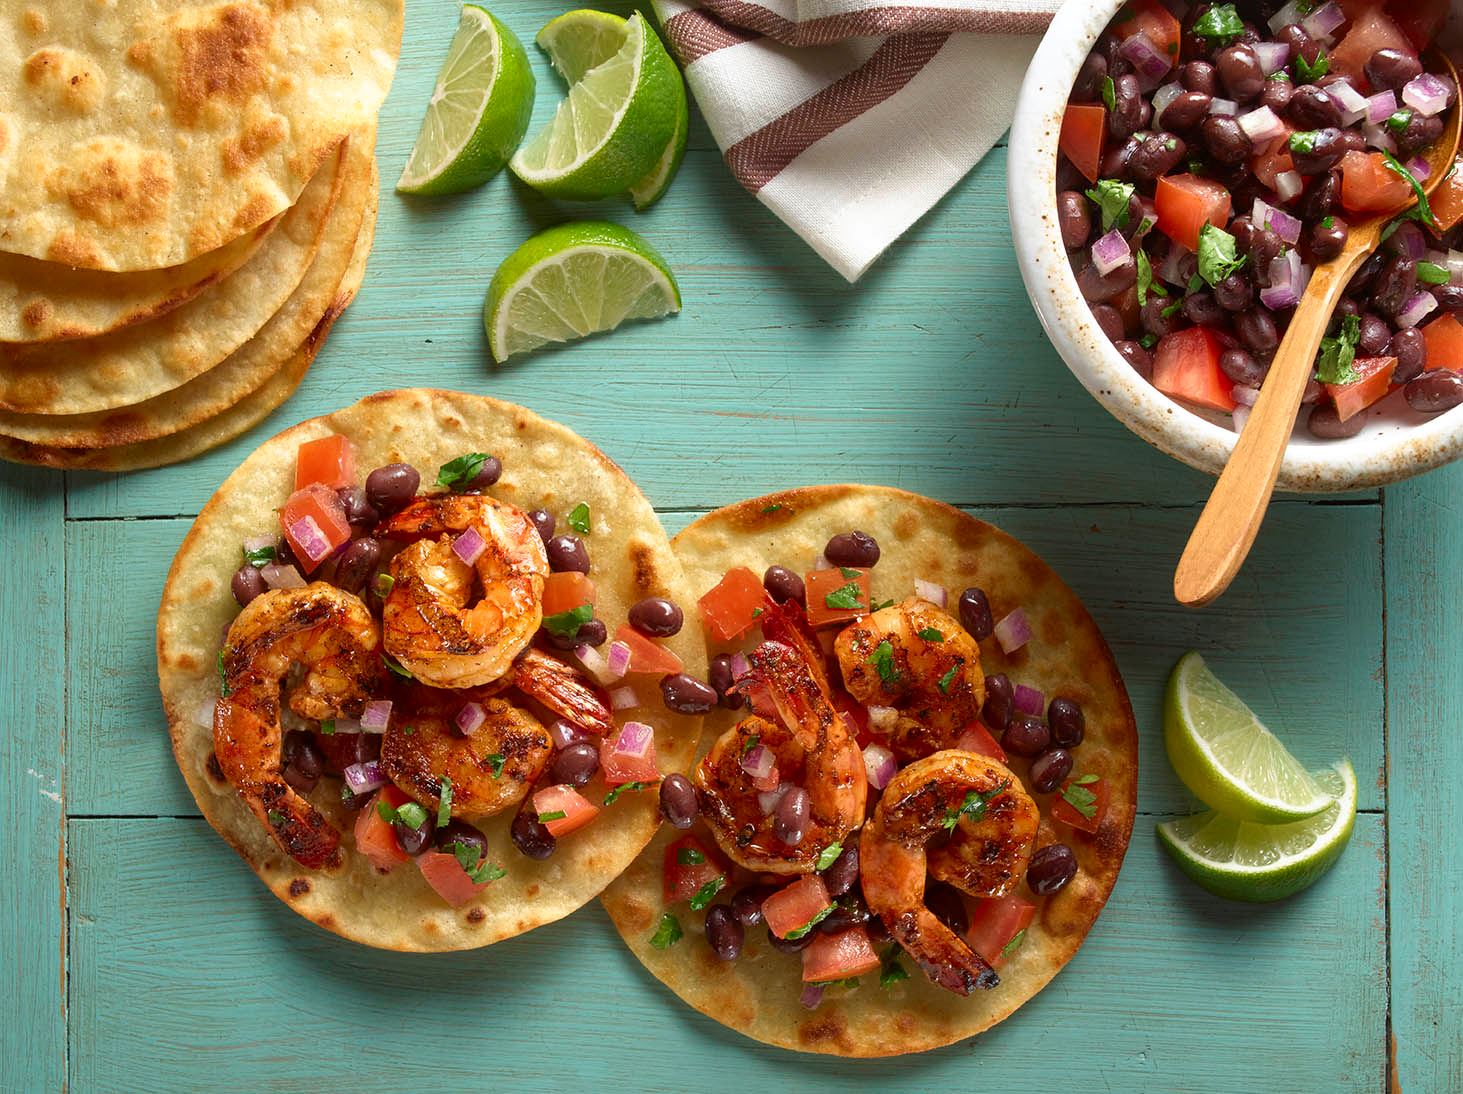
<point>563,689</point>
<point>918,659</point>
<point>333,637</point>
<point>814,751</point>
<point>994,824</point>
<point>428,623</point>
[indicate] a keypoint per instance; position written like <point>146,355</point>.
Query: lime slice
<point>1263,862</point>
<point>619,116</point>
<point>574,280</point>
<point>648,190</point>
<point>1225,755</point>
<point>479,110</point>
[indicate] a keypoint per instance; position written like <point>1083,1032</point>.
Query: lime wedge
<point>574,280</point>
<point>1264,862</point>
<point>1223,753</point>
<point>479,110</point>
<point>613,127</point>
<point>648,190</point>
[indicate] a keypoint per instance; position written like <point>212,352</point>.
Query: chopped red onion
<point>1170,268</point>
<point>1240,417</point>
<point>347,725</point>
<point>624,698</point>
<point>1410,238</point>
<point>619,659</point>
<point>1377,137</point>
<point>1028,700</point>
<point>822,562</point>
<point>1293,12</point>
<point>1381,106</point>
<point>281,577</point>
<point>470,717</point>
<point>883,718</point>
<point>204,714</point>
<point>1244,394</point>
<point>1227,107</point>
<point>1420,168</point>
<point>1288,279</point>
<point>259,543</point>
<point>1151,63</point>
<point>1013,632</point>
<point>309,539</point>
<point>564,734</point>
<point>1261,125</point>
<point>758,761</point>
<point>1428,94</point>
<point>1454,262</point>
<point>812,996</point>
<point>1288,185</point>
<point>1162,97</point>
<point>595,664</point>
<point>928,590</point>
<point>376,717</point>
<point>879,766</point>
<point>1418,308</point>
<point>1321,22</point>
<point>1278,221</point>
<point>1272,55</point>
<point>636,740</point>
<point>767,800</point>
<point>363,778</point>
<point>1110,252</point>
<point>1354,105</point>
<point>469,546</point>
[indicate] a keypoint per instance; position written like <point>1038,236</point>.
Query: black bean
<point>1201,309</point>
<point>574,764</point>
<point>1361,281</point>
<point>414,840</point>
<point>685,694</point>
<point>593,633</point>
<point>567,554</point>
<point>1141,211</point>
<point>1325,151</point>
<point>1000,702</point>
<point>1199,76</point>
<point>1235,292</point>
<point>1068,723</point>
<point>790,818</point>
<point>724,933</point>
<point>1099,289</point>
<point>1138,357</point>
<point>843,874</point>
<point>530,835</point>
<point>1392,69</point>
<point>783,585</point>
<point>1321,199</point>
<point>975,613</point>
<point>458,833</point>
<point>1265,247</point>
<point>1328,241</point>
<point>1241,367</point>
<point>544,521</point>
<point>247,583</point>
<point>1027,735</point>
<point>1155,321</point>
<point>1256,329</point>
<point>1347,306</point>
<point>1051,868</point>
<point>1312,107</point>
<point>1277,95</point>
<point>1115,159</point>
<point>720,676</point>
<point>747,904</point>
<point>851,911</point>
<point>1437,391</point>
<point>1186,111</point>
<point>1418,133</point>
<point>1449,297</point>
<point>359,512</point>
<point>1156,155</point>
<point>678,801</point>
<point>1410,348</point>
<point>1313,393</point>
<point>1131,111</point>
<point>1110,320</point>
<point>392,487</point>
<point>303,762</point>
<point>489,473</point>
<point>1300,42</point>
<point>852,549</point>
<point>1050,769</point>
<point>1088,85</point>
<point>1225,140</point>
<point>656,616</point>
<point>1074,217</point>
<point>1324,422</point>
<point>947,904</point>
<point>790,945</point>
<point>1375,334</point>
<point>1406,239</point>
<point>1395,285</point>
<point>357,563</point>
<point>1240,72</point>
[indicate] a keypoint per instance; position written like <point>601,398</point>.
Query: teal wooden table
<point>139,954</point>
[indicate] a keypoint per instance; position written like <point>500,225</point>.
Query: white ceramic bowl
<point>1396,442</point>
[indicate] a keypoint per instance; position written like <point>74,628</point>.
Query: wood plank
<point>1173,991</point>
<point>32,784</point>
<point>1118,559</point>
<point>1425,798</point>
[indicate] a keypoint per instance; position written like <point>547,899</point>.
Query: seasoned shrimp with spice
<point>919,660</point>
<point>992,823</point>
<point>330,635</point>
<point>444,627</point>
<point>807,759</point>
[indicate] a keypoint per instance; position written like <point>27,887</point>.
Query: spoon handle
<point>1226,529</point>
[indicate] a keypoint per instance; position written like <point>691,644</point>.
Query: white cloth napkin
<point>850,119</point>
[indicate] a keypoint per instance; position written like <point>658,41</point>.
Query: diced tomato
<point>1068,814</point>
<point>1185,203</point>
<point>1368,185</point>
<point>733,604</point>
<point>795,906</point>
<point>994,922</point>
<point>619,768</point>
<point>1273,159</point>
<point>313,520</point>
<point>646,654</point>
<point>563,592</point>
<point>1084,132</point>
<point>823,584</point>
<point>577,809</point>
<point>1420,20</point>
<point>445,874</point>
<point>839,956</point>
<point>682,880</point>
<point>975,738</point>
<point>1370,31</point>
<point>375,838</point>
<point>1447,199</point>
<point>1153,19</point>
<point>1444,337</point>
<point>1374,380</point>
<point>1187,368</point>
<point>330,461</point>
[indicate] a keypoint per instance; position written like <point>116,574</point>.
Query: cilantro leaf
<point>1399,121</point>
<point>276,818</point>
<point>471,859</point>
<point>849,574</point>
<point>883,661</point>
<point>829,855</point>
<point>891,969</point>
<point>395,666</point>
<point>1217,254</point>
<point>668,933</point>
<point>578,519</point>
<point>751,742</point>
<point>1148,341</point>
<point>461,470</point>
<point>1109,93</point>
<point>1080,798</point>
<point>949,678</point>
<point>411,814</point>
<point>1338,351</point>
<point>689,856</point>
<point>1220,25</point>
<point>444,802</point>
<point>327,727</point>
<point>567,624</point>
<point>707,893</point>
<point>1113,199</point>
<point>1304,141</point>
<point>845,598</point>
<point>1430,273</point>
<point>223,677</point>
<point>802,932</point>
<point>384,584</point>
<point>1426,211</point>
<point>770,509</point>
<point>495,762</point>
<point>1311,71</point>
<point>930,634</point>
<point>1015,944</point>
<point>624,788</point>
<point>881,605</point>
<point>260,556</point>
<point>1146,282</point>
<point>557,814</point>
<point>974,805</point>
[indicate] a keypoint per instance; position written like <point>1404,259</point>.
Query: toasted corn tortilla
<point>243,371</point>
<point>140,134</point>
<point>545,464</point>
<point>131,365</point>
<point>759,994</point>
<point>230,421</point>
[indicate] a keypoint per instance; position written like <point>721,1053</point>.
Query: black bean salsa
<point>1212,156</point>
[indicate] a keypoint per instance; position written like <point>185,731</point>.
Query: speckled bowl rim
<point>1396,444</point>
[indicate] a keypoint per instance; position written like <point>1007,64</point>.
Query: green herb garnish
<point>495,762</point>
<point>223,677</point>
<point>1173,309</point>
<point>751,742</point>
<point>395,666</point>
<point>883,661</point>
<point>1328,222</point>
<point>1109,93</point>
<point>384,584</point>
<point>849,574</point>
<point>974,805</point>
<point>1146,283</point>
<point>1113,198</point>
<point>461,470</point>
<point>444,802</point>
<point>567,624</point>
<point>471,859</point>
<point>260,556</point>
<point>276,818</point>
<point>930,634</point>
<point>1338,351</point>
<point>624,788</point>
<point>1311,71</point>
<point>1220,25</point>
<point>327,727</point>
<point>770,509</point>
<point>881,605</point>
<point>801,932</point>
<point>1217,254</point>
<point>949,678</point>
<point>668,933</point>
<point>557,814</point>
<point>891,970</point>
<point>1079,797</point>
<point>1395,165</point>
<point>1399,121</point>
<point>845,597</point>
<point>578,519</point>
<point>1303,141</point>
<point>1015,944</point>
<point>1148,341</point>
<point>1430,273</point>
<point>411,814</point>
<point>829,855</point>
<point>707,893</point>
<point>689,856</point>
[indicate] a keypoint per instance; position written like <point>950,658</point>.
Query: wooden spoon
<point>1226,529</point>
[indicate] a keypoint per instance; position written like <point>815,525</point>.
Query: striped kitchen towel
<point>850,119</point>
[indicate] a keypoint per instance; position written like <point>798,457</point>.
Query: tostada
<point>913,799</point>
<point>379,649</point>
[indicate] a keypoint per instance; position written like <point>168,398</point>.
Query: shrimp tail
<point>787,624</point>
<point>941,955</point>
<point>563,690</point>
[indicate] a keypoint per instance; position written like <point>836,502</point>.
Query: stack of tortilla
<point>187,202</point>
